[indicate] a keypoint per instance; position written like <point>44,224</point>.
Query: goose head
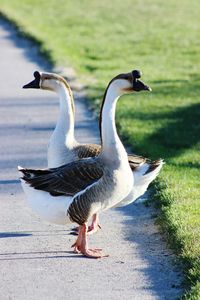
<point>46,81</point>
<point>129,82</point>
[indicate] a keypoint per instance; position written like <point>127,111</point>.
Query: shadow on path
<point>160,267</point>
<point>32,48</point>
<point>30,255</point>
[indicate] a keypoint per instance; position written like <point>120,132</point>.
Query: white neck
<point>63,135</point>
<point>112,147</point>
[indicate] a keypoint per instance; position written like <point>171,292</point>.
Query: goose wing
<point>65,180</point>
<point>91,150</point>
<point>135,161</point>
<point>88,150</point>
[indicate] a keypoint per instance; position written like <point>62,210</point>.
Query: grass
<point>103,38</point>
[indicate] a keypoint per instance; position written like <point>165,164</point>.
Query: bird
<point>90,185</point>
<point>63,147</point>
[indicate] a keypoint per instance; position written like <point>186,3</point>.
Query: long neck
<point>64,131</point>
<point>112,147</point>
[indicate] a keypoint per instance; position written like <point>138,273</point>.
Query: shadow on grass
<point>180,132</point>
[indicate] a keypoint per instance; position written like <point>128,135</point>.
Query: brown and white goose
<point>90,185</point>
<point>63,148</point>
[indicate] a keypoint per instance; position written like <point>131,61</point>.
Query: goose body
<point>93,184</point>
<point>54,209</point>
<point>48,207</point>
<point>63,148</point>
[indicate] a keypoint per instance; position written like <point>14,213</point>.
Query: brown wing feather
<point>91,150</point>
<point>135,161</point>
<point>65,180</point>
<point>153,165</point>
<point>88,150</point>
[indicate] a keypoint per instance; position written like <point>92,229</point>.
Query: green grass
<point>103,38</point>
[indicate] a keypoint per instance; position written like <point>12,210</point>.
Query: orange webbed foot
<point>81,245</point>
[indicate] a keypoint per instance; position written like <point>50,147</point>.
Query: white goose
<point>89,185</point>
<point>63,148</point>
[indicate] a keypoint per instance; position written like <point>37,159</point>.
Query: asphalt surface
<point>36,259</point>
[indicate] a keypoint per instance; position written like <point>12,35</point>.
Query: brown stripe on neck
<point>70,93</point>
<point>64,81</point>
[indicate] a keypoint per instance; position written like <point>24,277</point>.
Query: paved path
<point>36,261</point>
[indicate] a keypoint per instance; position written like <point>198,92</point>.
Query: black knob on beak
<point>35,84</point>
<point>139,85</point>
<point>136,74</point>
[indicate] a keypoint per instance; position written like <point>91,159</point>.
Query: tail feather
<point>53,182</point>
<point>145,176</point>
<point>153,165</point>
<point>39,179</point>
<point>30,173</point>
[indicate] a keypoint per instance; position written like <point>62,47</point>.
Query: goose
<point>90,185</point>
<point>63,148</point>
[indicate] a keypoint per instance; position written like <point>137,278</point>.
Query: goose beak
<point>147,88</point>
<point>35,84</point>
<point>139,85</point>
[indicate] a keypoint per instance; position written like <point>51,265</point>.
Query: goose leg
<point>77,244</point>
<point>94,225</point>
<point>81,244</point>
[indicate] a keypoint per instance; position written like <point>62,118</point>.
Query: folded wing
<point>65,180</point>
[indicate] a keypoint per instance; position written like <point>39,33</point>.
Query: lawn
<point>103,38</point>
